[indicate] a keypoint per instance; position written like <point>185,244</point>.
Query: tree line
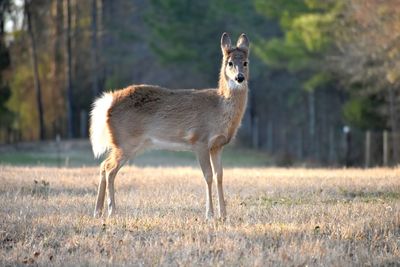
<point>316,66</point>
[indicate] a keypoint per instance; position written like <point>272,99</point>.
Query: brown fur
<point>180,116</point>
<point>202,121</point>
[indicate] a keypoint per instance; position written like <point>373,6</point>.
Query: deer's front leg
<point>218,172</point>
<point>203,157</point>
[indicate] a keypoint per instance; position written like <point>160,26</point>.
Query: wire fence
<point>381,148</point>
<point>333,146</point>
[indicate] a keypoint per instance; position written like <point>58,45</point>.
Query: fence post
<point>385,148</point>
<point>58,145</point>
<point>347,136</point>
<point>368,149</point>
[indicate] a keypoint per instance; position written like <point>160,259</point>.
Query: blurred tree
<point>5,114</point>
<point>360,112</point>
<point>56,111</point>
<point>68,70</point>
<point>38,90</point>
<point>307,26</point>
<point>119,47</point>
<point>368,41</point>
<point>187,32</point>
<point>176,26</point>
<point>94,50</point>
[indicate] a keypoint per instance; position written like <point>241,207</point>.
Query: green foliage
<point>4,57</point>
<point>188,32</point>
<point>306,26</point>
<point>282,10</point>
<point>318,79</point>
<point>6,116</point>
<point>310,31</point>
<point>113,81</point>
<point>174,24</point>
<point>22,100</point>
<point>360,112</point>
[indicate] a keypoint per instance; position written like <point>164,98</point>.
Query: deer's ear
<point>243,42</point>
<point>225,42</point>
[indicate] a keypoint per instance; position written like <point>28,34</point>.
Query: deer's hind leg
<point>113,164</point>
<point>101,191</point>
<point>109,169</point>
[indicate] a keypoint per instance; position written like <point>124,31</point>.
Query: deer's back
<point>179,116</point>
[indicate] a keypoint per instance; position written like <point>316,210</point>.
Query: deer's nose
<point>239,78</point>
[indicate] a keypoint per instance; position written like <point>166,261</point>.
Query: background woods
<point>316,66</point>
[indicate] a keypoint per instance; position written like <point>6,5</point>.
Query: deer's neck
<point>234,100</point>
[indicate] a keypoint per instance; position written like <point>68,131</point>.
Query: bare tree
<point>27,6</point>
<point>68,56</point>
<point>94,50</point>
<point>57,92</point>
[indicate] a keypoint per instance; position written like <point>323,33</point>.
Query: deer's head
<point>235,64</point>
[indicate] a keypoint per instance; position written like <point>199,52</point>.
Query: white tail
<point>99,132</point>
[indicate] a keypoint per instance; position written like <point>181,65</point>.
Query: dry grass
<point>287,217</point>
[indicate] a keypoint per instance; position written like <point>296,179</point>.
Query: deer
<point>140,117</point>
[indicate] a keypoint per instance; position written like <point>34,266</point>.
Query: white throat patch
<point>234,85</point>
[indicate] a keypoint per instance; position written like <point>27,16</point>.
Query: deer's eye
<point>245,64</point>
<point>230,64</point>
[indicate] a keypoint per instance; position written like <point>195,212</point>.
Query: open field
<point>287,217</point>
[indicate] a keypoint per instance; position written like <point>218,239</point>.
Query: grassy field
<point>279,217</point>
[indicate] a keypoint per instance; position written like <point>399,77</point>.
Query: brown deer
<point>145,116</point>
